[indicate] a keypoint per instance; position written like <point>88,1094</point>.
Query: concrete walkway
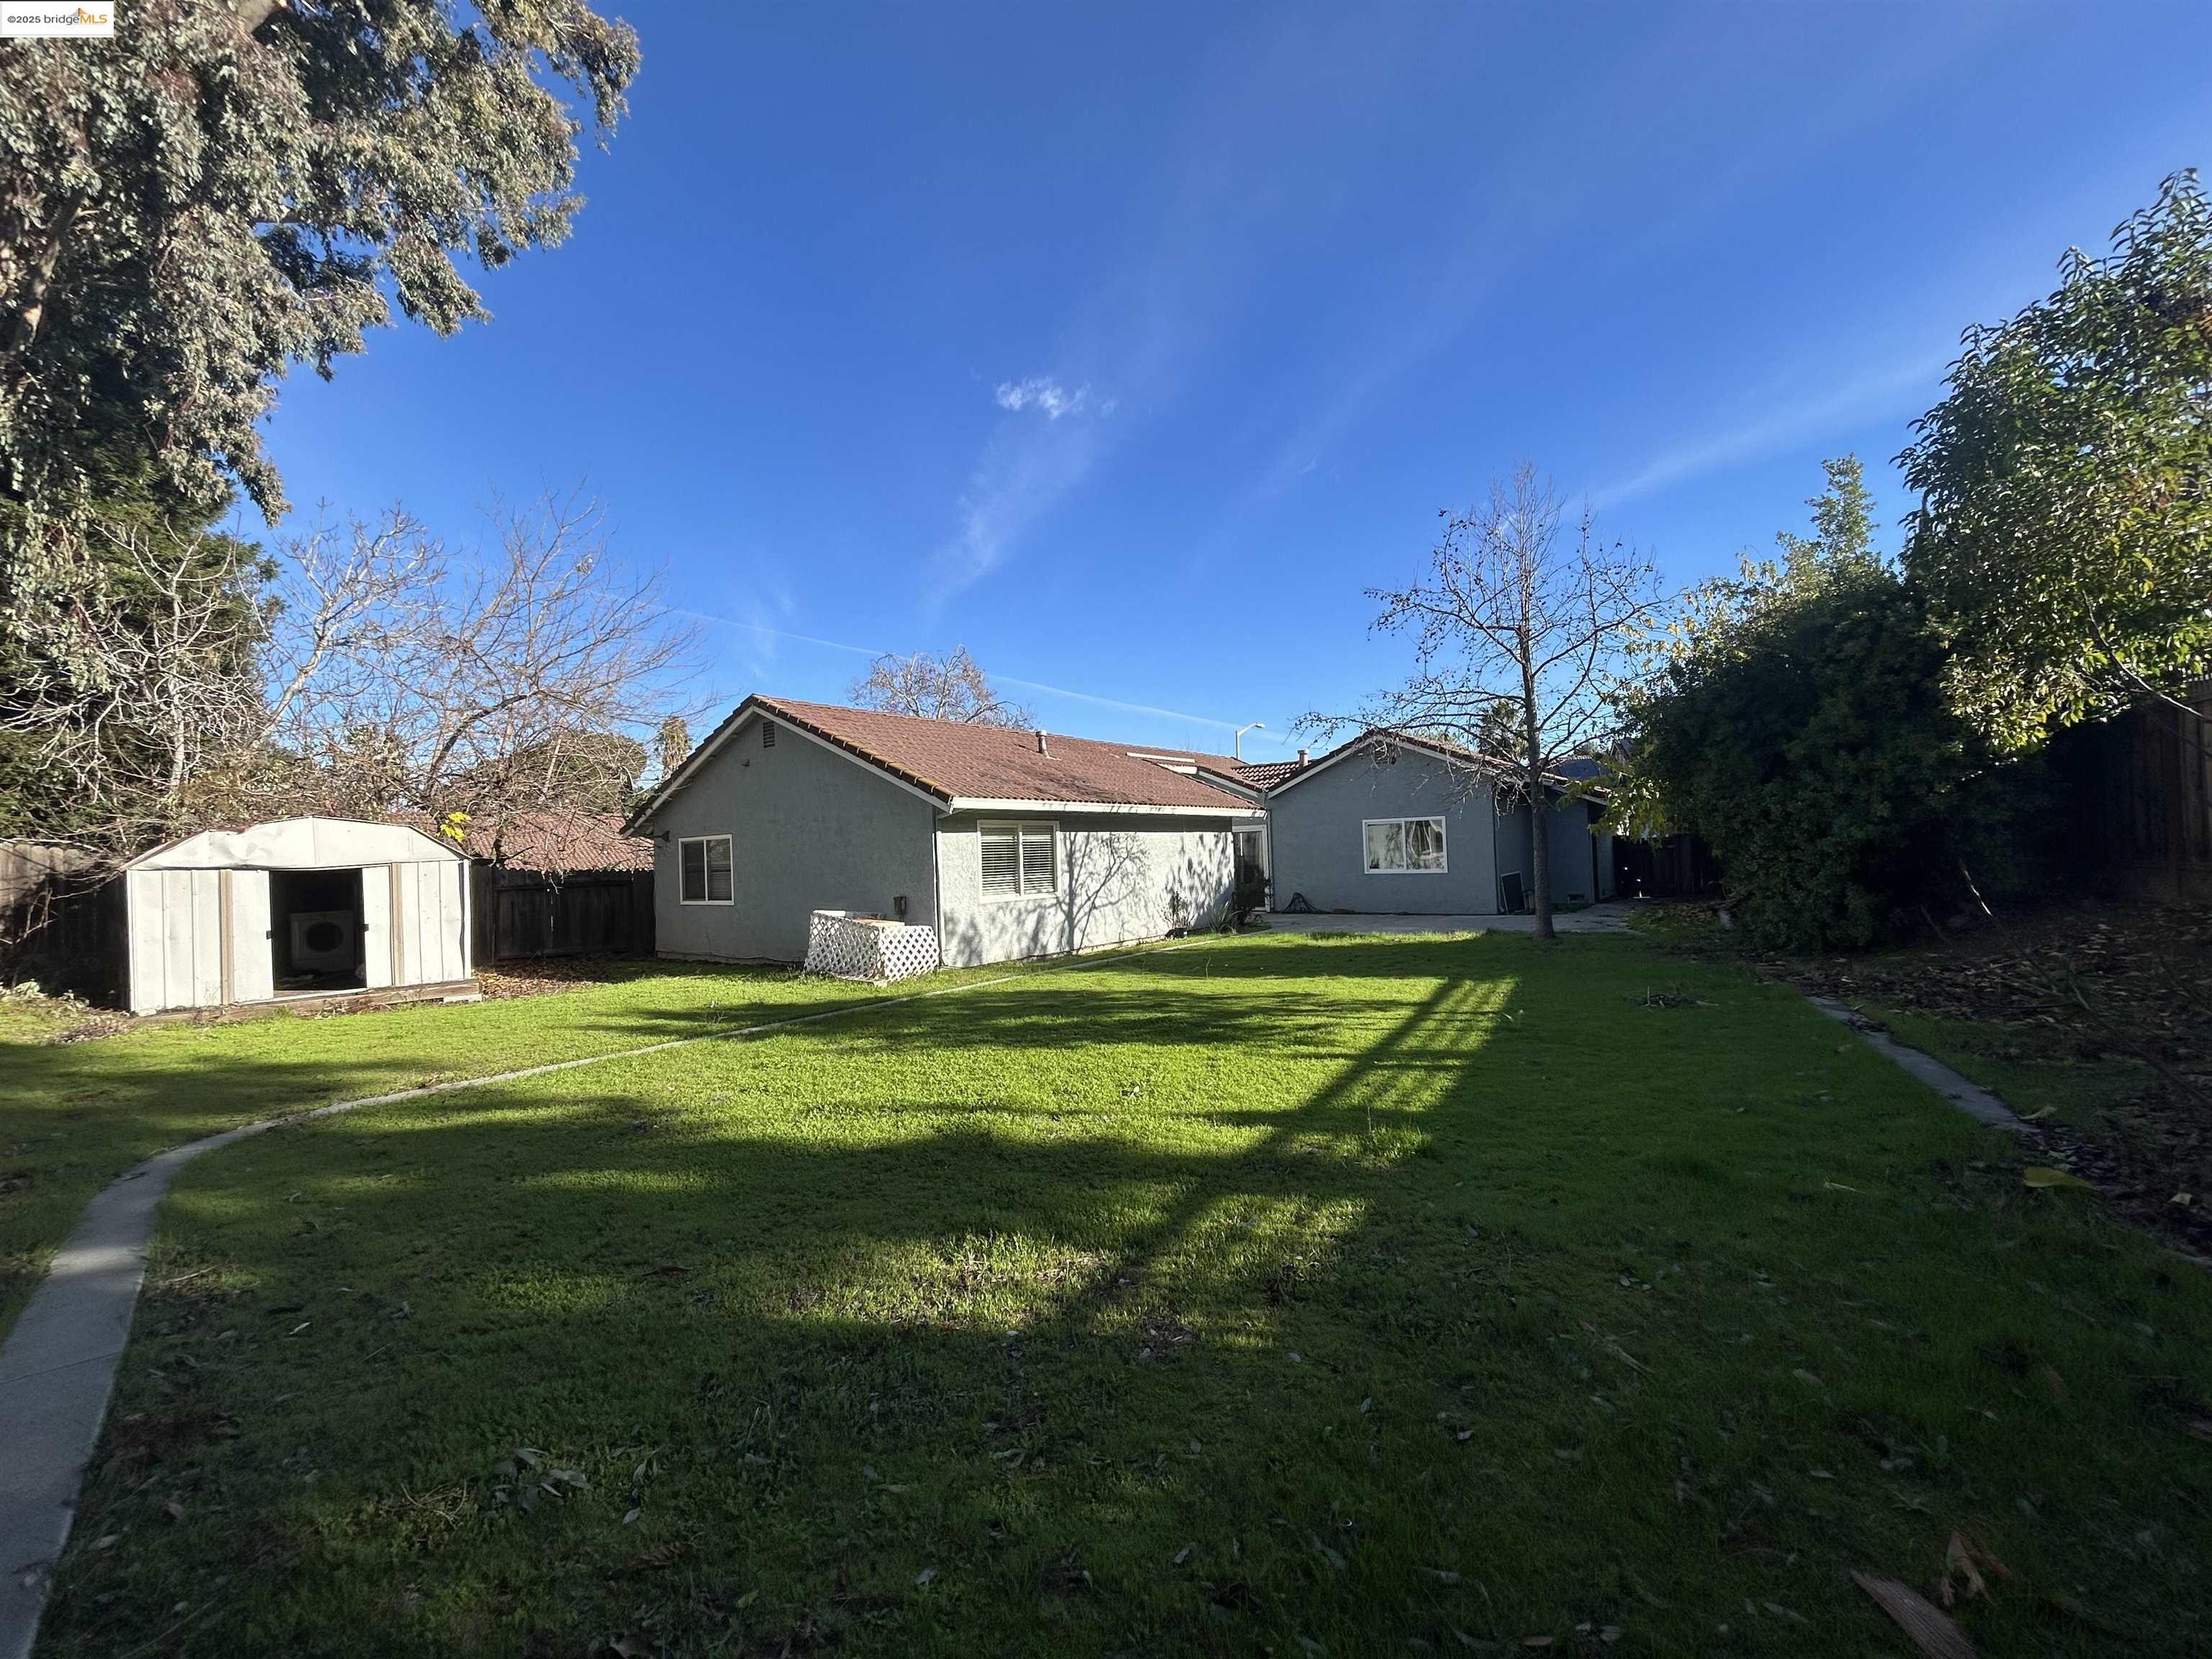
<point>1970,1097</point>
<point>58,1366</point>
<point>1611,917</point>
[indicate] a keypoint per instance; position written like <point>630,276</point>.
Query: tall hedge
<point>1795,718</point>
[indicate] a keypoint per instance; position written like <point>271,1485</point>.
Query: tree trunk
<point>1539,818</point>
<point>1539,858</point>
<point>36,257</point>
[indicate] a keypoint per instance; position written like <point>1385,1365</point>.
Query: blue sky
<point>1127,344</point>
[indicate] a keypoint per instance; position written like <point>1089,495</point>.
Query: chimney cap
<point>1042,750</point>
<point>1302,757</point>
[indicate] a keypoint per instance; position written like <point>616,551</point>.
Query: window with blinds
<point>1020,861</point>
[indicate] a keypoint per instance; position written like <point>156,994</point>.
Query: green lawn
<point>1297,1296</point>
<point>74,1116</point>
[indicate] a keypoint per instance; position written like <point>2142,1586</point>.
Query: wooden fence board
<point>523,913</point>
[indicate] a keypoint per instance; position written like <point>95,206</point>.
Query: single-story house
<point>294,909</point>
<point>1004,844</point>
<point>1389,823</point>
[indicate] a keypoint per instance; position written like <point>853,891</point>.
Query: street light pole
<point>1237,743</point>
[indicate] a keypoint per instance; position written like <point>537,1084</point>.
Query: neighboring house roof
<point>1450,752</point>
<point>1573,770</point>
<point>1266,774</point>
<point>959,765</point>
<point>553,840</point>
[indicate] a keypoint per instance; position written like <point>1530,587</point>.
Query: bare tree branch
<point>1518,629</point>
<point>953,687</point>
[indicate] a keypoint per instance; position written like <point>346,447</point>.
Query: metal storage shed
<point>295,908</point>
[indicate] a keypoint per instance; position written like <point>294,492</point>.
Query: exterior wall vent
<point>767,735</point>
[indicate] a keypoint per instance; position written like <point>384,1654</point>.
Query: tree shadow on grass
<point>1009,1317</point>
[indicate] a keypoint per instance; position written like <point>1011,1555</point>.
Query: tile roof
<point>1559,777</point>
<point>549,839</point>
<point>1264,775</point>
<point>953,760</point>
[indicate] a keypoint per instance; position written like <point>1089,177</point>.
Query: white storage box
<point>850,945</point>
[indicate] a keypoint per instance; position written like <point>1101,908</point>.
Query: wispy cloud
<point>1047,396</point>
<point>753,628</point>
<point>1022,474</point>
<point>1202,240</point>
<point>1779,426</point>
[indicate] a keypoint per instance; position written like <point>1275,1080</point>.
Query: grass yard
<point>74,1116</point>
<point>1323,1296</point>
<point>2093,1020</point>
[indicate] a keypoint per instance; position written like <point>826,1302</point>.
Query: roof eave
<point>1156,809</point>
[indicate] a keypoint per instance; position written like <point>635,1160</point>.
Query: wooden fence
<point>523,913</point>
<point>2140,788</point>
<point>57,923</point>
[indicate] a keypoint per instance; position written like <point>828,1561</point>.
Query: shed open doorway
<point>317,929</point>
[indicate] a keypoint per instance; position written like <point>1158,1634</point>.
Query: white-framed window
<point>1403,847</point>
<point>1020,861</point>
<point>704,870</point>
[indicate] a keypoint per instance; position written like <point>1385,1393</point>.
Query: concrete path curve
<point>58,1366</point>
<point>1969,1097</point>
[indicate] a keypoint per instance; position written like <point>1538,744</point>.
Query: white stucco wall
<point>1122,878</point>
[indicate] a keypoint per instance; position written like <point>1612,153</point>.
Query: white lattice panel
<point>847,947</point>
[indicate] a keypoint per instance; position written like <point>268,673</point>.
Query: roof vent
<point>1042,750</point>
<point>1302,757</point>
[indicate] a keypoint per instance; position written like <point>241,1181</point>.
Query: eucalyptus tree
<point>230,187</point>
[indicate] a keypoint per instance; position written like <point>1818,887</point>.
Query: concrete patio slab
<point>1611,917</point>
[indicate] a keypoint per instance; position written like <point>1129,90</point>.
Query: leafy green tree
<point>1843,524</point>
<point>232,186</point>
<point>1795,718</point>
<point>2064,538</point>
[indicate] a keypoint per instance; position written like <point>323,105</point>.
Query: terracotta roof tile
<point>953,760</point>
<point>549,839</point>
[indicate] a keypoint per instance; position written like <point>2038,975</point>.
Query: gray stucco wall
<point>1122,878</point>
<point>1320,850</point>
<point>811,829</point>
<point>1571,847</point>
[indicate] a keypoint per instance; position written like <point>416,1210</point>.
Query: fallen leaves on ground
<point>1964,1560</point>
<point>2123,992</point>
<point>1931,1630</point>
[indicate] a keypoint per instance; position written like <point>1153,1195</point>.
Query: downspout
<point>937,880</point>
